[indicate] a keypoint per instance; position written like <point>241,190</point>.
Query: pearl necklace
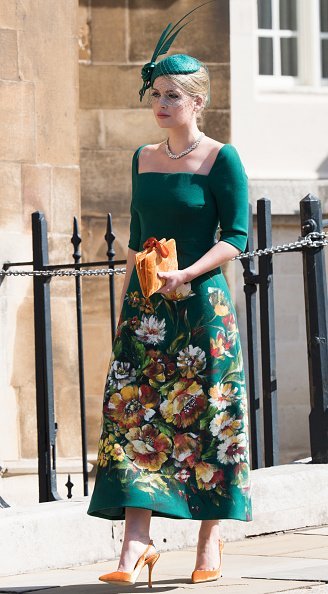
<point>185,152</point>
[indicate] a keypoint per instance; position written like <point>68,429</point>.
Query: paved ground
<point>295,562</point>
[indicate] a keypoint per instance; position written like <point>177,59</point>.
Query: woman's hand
<point>173,279</point>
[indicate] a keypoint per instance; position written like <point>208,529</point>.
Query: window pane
<point>288,46</point>
<point>288,14</point>
<point>265,55</point>
<point>264,14</point>
<point>324,15</point>
<point>324,57</point>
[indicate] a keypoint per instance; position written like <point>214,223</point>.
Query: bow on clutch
<point>161,249</point>
<point>158,256</point>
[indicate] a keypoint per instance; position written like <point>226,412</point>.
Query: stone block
<point>217,125</point>
<point>36,192</point>
<point>15,247</point>
<point>10,195</point>
<point>130,128</point>
<point>97,340</point>
<point>289,291</point>
<point>220,86</point>
<point>61,252</point>
<point>206,37</point>
<point>288,327</point>
<point>8,15</point>
<point>106,182</point>
<point>22,371</point>
<point>8,54</point>
<point>292,370</point>
<point>50,60</point>
<point>94,403</point>
<point>27,421</point>
<point>294,427</point>
<point>66,383</point>
<point>84,20</point>
<point>65,198</point>
<point>110,87</point>
<point>91,129</point>
<point>109,34</point>
<point>17,122</point>
<point>23,378</point>
<point>9,443</point>
<point>118,128</point>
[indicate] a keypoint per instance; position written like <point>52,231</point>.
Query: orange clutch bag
<point>158,256</point>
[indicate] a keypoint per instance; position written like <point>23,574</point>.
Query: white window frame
<point>309,51</point>
<point>276,34</point>
<point>323,35</point>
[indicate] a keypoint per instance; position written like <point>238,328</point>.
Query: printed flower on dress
<point>146,305</point>
<point>191,360</point>
<point>147,447</point>
<point>151,330</point>
<point>120,374</point>
<point>218,301</point>
<point>180,293</point>
<point>208,476</point>
<point>104,448</point>
<point>160,368</point>
<point>222,395</point>
<point>117,452</point>
<point>134,298</point>
<point>132,405</point>
<point>182,476</point>
<point>225,425</point>
<point>242,477</point>
<point>186,449</point>
<point>133,323</point>
<point>219,346</point>
<point>184,403</point>
<point>230,323</point>
<point>233,449</point>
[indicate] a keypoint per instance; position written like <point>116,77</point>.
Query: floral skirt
<point>174,423</point>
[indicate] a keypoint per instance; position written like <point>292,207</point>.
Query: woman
<point>174,440</point>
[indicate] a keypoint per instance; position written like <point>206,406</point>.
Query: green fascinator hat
<point>175,64</point>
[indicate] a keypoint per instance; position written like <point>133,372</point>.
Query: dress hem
<point>156,513</point>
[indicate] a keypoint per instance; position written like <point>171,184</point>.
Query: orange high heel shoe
<point>204,575</point>
<point>123,577</point>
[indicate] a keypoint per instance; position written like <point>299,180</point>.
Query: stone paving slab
<point>85,581</point>
<point>280,544</point>
<point>321,553</point>
<point>263,565</point>
<point>177,586</point>
<point>323,530</point>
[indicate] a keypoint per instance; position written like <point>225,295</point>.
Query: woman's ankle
<point>207,532</point>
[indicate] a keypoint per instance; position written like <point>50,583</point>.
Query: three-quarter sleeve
<point>135,229</point>
<point>229,184</point>
<point>134,240</point>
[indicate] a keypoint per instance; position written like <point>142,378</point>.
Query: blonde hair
<point>196,84</point>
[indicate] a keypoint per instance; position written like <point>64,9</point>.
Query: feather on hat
<point>176,64</point>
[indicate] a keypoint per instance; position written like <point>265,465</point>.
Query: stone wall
<point>39,170</point>
<point>116,39</point>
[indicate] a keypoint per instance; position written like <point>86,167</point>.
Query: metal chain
<point>96,272</point>
<point>313,239</point>
<point>286,247</point>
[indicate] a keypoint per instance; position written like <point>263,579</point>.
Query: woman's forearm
<point>220,253</point>
<point>130,263</point>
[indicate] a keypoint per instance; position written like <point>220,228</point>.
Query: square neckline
<point>177,172</point>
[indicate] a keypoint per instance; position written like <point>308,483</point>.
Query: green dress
<point>174,426</point>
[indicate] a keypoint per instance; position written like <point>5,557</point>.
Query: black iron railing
<point>264,449</point>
